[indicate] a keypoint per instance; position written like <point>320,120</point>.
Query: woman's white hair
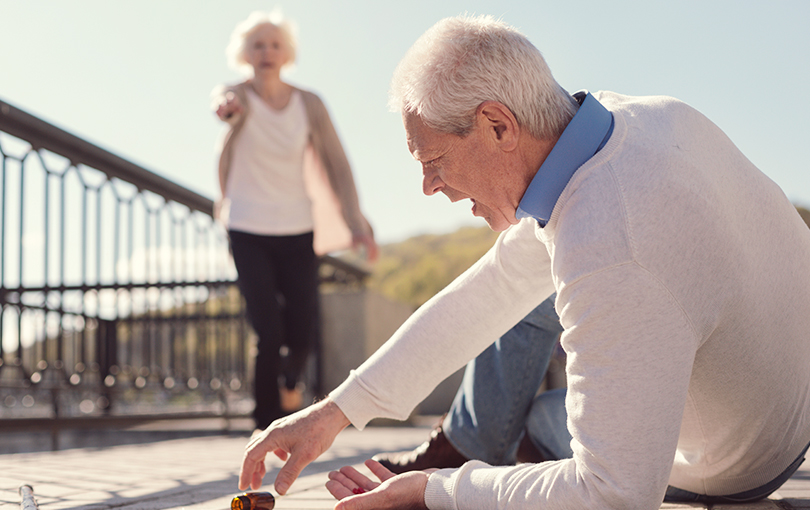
<point>245,29</point>
<point>463,61</point>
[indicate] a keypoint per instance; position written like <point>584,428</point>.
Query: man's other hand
<point>357,492</point>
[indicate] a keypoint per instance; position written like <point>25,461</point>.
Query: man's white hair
<point>463,61</point>
<point>235,52</point>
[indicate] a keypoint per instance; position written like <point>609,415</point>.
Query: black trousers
<point>278,277</point>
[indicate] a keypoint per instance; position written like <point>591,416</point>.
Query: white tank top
<point>265,189</point>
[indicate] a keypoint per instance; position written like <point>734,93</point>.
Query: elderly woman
<point>287,196</point>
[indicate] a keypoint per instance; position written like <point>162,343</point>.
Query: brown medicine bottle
<point>254,501</point>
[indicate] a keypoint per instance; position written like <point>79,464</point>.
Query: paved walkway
<point>196,473</point>
<point>200,473</point>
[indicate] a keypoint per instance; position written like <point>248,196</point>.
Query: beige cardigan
<point>327,173</point>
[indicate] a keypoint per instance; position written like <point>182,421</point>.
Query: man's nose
<point>431,183</point>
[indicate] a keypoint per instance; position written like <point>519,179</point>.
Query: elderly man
<point>682,276</point>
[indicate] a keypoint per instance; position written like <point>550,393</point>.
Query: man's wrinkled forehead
<point>416,131</point>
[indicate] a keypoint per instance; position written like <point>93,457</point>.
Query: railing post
<point>107,352</point>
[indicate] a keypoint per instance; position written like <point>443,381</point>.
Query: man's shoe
<point>436,452</point>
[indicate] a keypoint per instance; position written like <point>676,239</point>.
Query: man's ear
<point>499,123</point>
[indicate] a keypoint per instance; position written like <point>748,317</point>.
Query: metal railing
<point>117,293</point>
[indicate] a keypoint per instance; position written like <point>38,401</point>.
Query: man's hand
<point>357,492</point>
<point>297,439</point>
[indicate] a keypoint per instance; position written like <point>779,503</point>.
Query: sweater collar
<point>584,136</point>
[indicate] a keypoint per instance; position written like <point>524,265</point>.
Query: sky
<point>135,77</point>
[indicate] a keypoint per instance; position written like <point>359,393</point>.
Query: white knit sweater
<point>683,283</point>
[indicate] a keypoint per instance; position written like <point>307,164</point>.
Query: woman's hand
<point>357,492</point>
<point>229,106</point>
<point>366,241</point>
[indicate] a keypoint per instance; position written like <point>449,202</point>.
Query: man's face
<point>461,168</point>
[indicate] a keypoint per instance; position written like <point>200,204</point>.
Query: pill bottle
<point>254,501</point>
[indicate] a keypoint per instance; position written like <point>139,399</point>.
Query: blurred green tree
<point>412,271</point>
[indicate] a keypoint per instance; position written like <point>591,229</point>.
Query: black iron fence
<point>117,293</point>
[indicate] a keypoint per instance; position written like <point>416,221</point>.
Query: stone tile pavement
<point>200,473</point>
<point>197,473</point>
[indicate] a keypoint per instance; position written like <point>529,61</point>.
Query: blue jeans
<point>497,401</point>
<point>493,404</point>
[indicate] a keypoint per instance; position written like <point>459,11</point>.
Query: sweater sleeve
<point>630,355</point>
<point>225,144</point>
<point>327,144</point>
<point>450,329</point>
